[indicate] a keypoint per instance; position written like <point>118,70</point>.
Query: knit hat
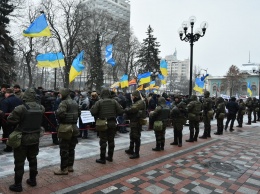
<point>9,90</point>
<point>136,94</point>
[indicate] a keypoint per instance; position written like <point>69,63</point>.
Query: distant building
<point>216,88</point>
<point>119,9</point>
<point>177,69</point>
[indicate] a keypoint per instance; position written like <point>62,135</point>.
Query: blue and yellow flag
<point>108,55</point>
<point>204,77</point>
<point>52,60</point>
<point>163,67</point>
<point>115,85</point>
<point>38,28</point>
<point>249,89</point>
<point>199,85</point>
<point>141,87</point>
<point>76,67</point>
<point>124,81</point>
<point>162,78</point>
<point>144,78</point>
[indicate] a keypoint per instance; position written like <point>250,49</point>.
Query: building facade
<point>216,87</point>
<point>119,9</point>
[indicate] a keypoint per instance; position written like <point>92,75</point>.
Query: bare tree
<point>233,80</point>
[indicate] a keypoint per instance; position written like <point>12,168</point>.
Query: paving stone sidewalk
<point>221,164</point>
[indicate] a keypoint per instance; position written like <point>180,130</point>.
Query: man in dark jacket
<point>67,114</point>
<point>232,107</point>
<point>108,109</point>
<point>7,106</point>
<point>135,113</point>
<point>27,119</point>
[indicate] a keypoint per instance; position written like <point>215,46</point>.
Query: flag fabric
<point>249,89</point>
<point>124,81</point>
<point>108,55</point>
<point>218,89</point>
<point>144,78</point>
<point>38,28</point>
<point>132,82</point>
<point>115,85</point>
<point>76,67</point>
<point>140,88</point>
<point>163,67</point>
<point>162,78</point>
<point>204,77</point>
<point>199,85</point>
<point>152,83</point>
<point>52,60</point>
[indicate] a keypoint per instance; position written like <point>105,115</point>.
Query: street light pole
<point>191,38</point>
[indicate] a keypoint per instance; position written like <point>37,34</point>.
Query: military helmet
<point>64,92</point>
<point>233,98</point>
<point>193,97</point>
<point>206,94</point>
<point>136,94</point>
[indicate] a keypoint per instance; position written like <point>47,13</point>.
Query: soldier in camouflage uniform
<point>255,108</point>
<point>241,112</point>
<point>178,116</point>
<point>194,108</point>
<point>134,113</point>
<point>161,113</point>
<point>220,110</point>
<point>177,100</point>
<point>107,108</point>
<point>27,119</point>
<point>206,107</point>
<point>67,115</point>
<point>249,106</point>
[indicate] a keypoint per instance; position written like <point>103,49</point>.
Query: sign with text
<point>86,117</point>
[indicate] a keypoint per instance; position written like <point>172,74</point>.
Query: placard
<point>86,116</point>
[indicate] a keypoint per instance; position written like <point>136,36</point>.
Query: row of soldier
<point>107,109</point>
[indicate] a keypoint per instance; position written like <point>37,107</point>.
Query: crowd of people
<point>24,115</point>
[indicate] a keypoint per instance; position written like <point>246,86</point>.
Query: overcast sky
<point>234,30</point>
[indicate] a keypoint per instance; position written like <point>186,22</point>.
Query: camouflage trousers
<point>22,153</point>
<point>194,125</point>
<point>67,152</point>
<point>135,137</point>
<point>160,137</point>
<point>177,131</point>
<point>207,126</point>
<point>107,138</point>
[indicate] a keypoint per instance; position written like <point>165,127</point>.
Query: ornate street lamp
<point>191,38</point>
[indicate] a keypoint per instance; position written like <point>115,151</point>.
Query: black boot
<point>162,146</point>
<point>134,156</point>
<point>175,141</point>
<point>110,159</point>
<point>129,151</point>
<point>180,140</point>
<point>196,136</point>
<point>157,148</point>
<point>191,138</point>
<point>101,161</point>
<point>16,187</point>
<point>32,180</point>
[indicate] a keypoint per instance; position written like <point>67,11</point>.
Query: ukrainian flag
<point>161,77</point>
<point>52,60</point>
<point>144,78</point>
<point>152,83</point>
<point>140,88</point>
<point>249,89</point>
<point>38,28</point>
<point>124,81</point>
<point>163,67</point>
<point>76,67</point>
<point>115,85</point>
<point>199,85</point>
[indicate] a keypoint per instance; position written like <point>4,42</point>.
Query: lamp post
<point>191,38</point>
<point>258,72</point>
